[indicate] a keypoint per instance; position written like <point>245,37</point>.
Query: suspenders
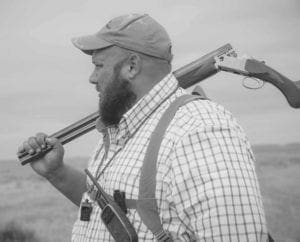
<point>146,203</point>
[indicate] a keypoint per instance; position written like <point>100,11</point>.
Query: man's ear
<point>133,66</point>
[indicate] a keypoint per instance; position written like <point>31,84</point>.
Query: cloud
<point>44,79</point>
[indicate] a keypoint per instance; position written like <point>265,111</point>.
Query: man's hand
<point>48,164</point>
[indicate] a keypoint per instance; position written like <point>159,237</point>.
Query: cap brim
<point>90,43</point>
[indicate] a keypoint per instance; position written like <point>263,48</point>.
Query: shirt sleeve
<point>215,189</point>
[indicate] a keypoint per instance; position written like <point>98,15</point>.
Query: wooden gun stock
<point>258,69</point>
<point>289,89</point>
<point>187,76</point>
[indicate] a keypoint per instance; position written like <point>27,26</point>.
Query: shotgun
<point>187,76</point>
<point>222,59</point>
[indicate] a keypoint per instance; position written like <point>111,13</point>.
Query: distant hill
<point>291,147</point>
<point>257,148</point>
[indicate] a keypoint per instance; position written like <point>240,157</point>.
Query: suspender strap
<point>146,204</point>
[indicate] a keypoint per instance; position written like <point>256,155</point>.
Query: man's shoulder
<point>203,112</point>
<point>200,116</point>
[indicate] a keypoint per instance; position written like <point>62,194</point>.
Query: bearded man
<point>206,186</point>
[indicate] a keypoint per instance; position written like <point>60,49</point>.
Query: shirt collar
<point>147,104</point>
<point>143,108</point>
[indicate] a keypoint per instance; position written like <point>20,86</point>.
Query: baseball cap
<point>136,32</point>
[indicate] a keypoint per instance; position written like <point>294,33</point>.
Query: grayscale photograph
<point>162,120</point>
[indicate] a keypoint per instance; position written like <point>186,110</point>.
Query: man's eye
<point>99,66</point>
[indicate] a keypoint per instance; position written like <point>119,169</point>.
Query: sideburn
<point>118,98</point>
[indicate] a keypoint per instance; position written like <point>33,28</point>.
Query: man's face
<point>115,91</point>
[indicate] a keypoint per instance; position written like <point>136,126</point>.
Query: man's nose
<point>93,78</point>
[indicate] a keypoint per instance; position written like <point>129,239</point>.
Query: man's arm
<point>69,181</point>
<point>215,189</point>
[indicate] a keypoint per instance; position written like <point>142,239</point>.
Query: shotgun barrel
<point>187,76</point>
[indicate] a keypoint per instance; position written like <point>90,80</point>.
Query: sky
<point>44,78</point>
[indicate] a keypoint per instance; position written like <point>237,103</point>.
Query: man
<point>206,186</point>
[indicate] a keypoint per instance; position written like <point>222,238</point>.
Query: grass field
<point>28,201</point>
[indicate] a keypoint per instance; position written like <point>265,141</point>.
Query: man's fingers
<point>41,140</point>
<point>51,141</point>
<point>37,143</point>
<point>28,148</point>
<point>21,149</point>
<point>32,141</point>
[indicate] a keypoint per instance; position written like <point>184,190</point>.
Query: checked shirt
<point>206,185</point>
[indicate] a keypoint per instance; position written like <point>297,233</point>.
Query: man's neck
<point>146,83</point>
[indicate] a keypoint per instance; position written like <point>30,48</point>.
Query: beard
<point>118,98</point>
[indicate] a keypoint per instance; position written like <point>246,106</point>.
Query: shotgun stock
<point>258,69</point>
<point>187,76</point>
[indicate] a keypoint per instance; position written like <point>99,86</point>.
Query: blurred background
<point>44,87</point>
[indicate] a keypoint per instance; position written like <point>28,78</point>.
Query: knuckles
<point>36,144</point>
<point>33,143</point>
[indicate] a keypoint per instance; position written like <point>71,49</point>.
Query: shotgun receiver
<point>222,59</point>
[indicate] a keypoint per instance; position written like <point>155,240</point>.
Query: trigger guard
<point>262,83</point>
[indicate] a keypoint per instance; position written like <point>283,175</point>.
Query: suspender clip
<point>119,198</point>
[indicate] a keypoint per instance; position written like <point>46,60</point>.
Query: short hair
<point>154,60</point>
